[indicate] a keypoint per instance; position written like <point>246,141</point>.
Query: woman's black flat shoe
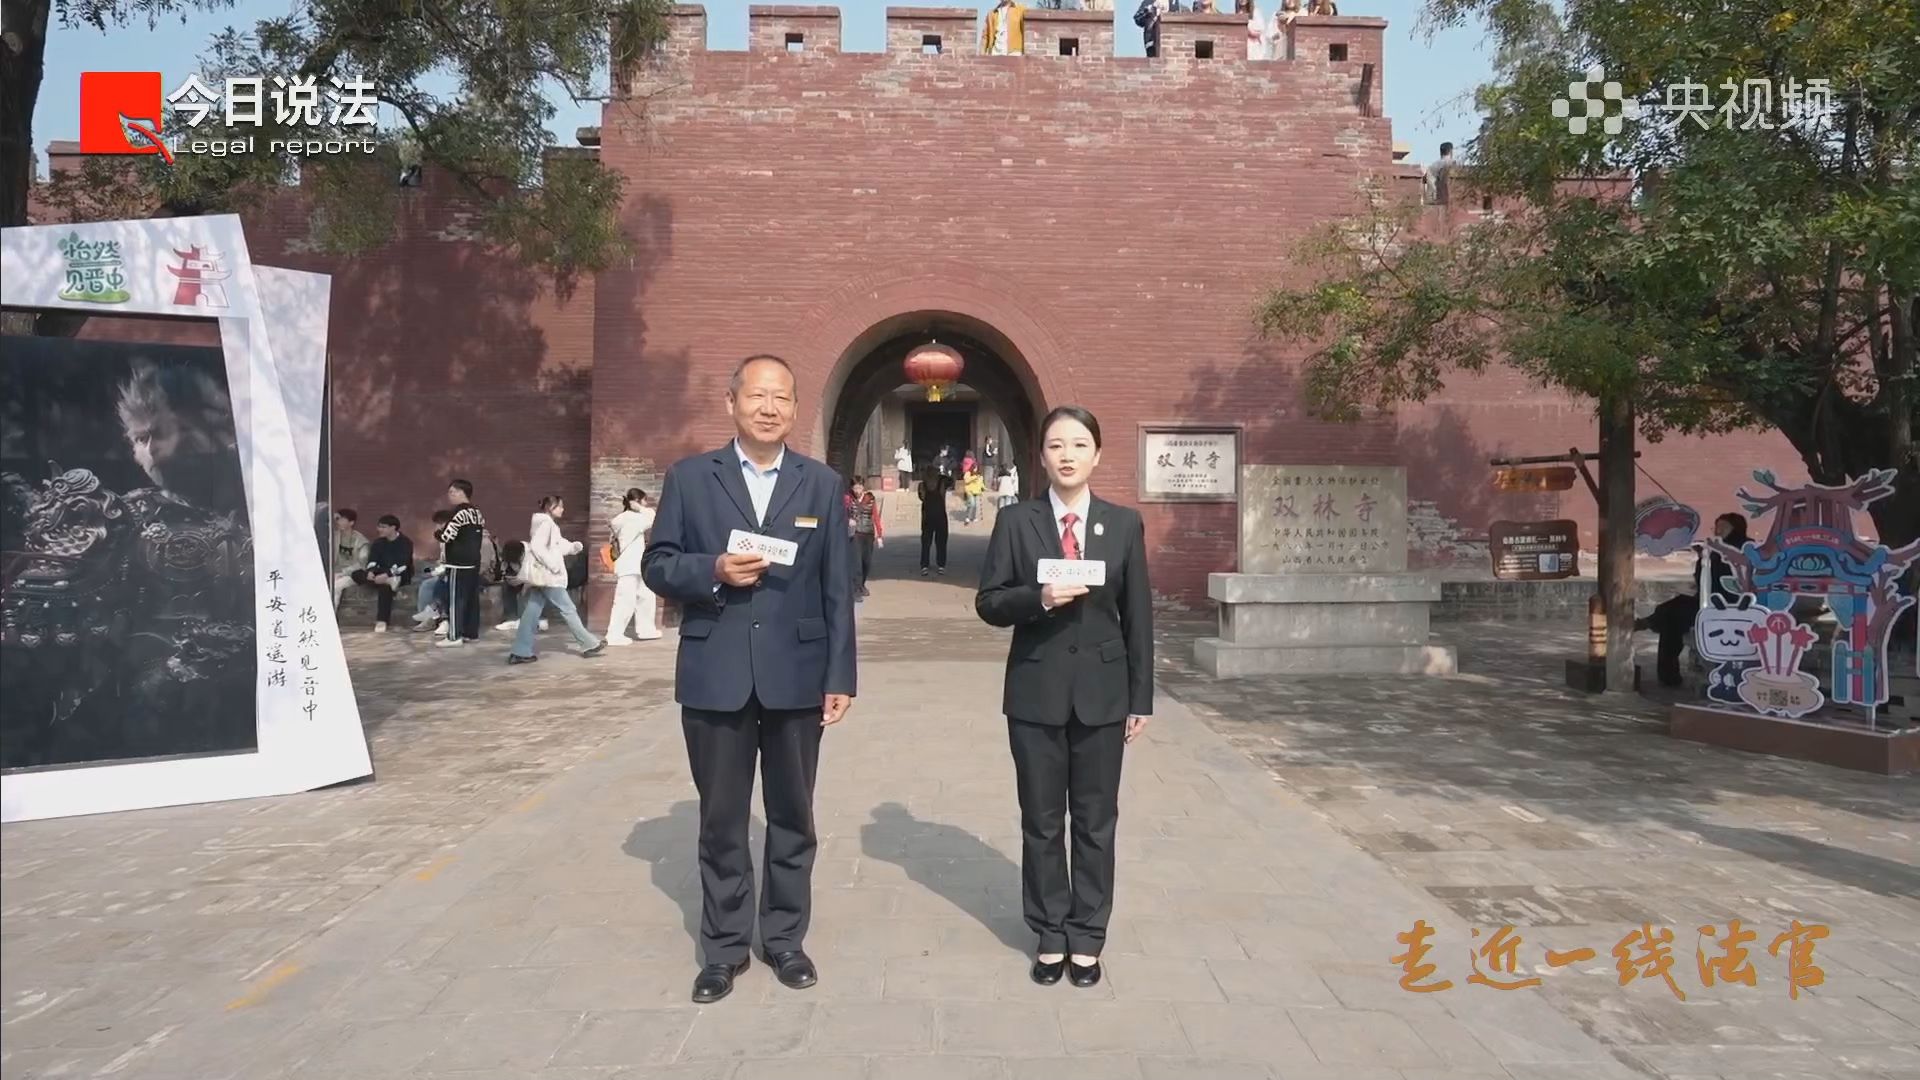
<point>1048,974</point>
<point>1085,974</point>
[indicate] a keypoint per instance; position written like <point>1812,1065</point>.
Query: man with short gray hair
<point>766,662</point>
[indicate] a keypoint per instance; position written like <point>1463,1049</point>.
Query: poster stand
<point>271,329</point>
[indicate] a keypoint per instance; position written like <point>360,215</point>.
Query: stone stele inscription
<point>1323,519</point>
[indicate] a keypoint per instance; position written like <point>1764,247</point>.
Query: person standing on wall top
<point>766,663</point>
<point>1004,32</point>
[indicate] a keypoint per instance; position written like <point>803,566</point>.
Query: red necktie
<point>1069,543</point>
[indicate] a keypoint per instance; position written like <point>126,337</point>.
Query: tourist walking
<point>867,532</point>
<point>543,572</point>
<point>974,486</point>
<point>632,600</point>
<point>766,664</point>
<point>1079,688</point>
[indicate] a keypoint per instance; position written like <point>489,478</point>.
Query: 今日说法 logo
<point>1581,106</point>
<point>125,112</point>
<point>121,113</point>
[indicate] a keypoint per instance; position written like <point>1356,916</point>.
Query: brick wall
<point>449,362</point>
<point>1112,217</point>
<point>1104,222</point>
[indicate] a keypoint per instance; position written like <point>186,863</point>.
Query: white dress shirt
<point>759,481</point>
<point>1062,509</point>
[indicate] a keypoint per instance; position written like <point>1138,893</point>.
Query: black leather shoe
<point>1047,974</point>
<point>715,981</point>
<point>1084,974</point>
<point>793,969</point>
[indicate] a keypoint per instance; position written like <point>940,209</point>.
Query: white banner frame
<point>295,751</point>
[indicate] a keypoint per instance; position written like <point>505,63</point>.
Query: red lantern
<point>936,367</point>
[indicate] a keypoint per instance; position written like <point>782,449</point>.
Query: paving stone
<point>1100,1067</point>
<point>1261,1033</point>
<point>1361,1038</point>
<point>871,1027</point>
<point>1122,1028</point>
<point>765,1031</point>
<point>1148,978</point>
<point>1201,1069</point>
<point>521,1040</point>
<point>541,860</point>
<point>940,1067</point>
<point>494,991</point>
<point>997,1029</point>
<point>809,1068</point>
<point>626,1037</point>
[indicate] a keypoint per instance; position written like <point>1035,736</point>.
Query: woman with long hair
<point>632,600</point>
<point>544,573</point>
<point>1673,620</point>
<point>1079,688</point>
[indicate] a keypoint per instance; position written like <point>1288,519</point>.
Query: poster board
<point>305,724</point>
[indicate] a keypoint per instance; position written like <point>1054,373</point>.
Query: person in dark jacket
<point>1079,688</point>
<point>463,537</point>
<point>934,485</point>
<point>1673,620</point>
<point>1147,18</point>
<point>389,568</point>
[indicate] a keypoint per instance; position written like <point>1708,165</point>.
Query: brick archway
<point>872,370</point>
<point>1023,366</point>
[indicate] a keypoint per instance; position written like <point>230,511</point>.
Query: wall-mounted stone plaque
<point>1188,464</point>
<point>1323,519</point>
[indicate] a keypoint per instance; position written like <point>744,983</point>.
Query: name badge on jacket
<point>806,523</point>
<point>776,550</point>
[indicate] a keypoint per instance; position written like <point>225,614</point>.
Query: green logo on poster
<point>93,271</point>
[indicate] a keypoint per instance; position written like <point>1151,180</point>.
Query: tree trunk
<point>1616,537</point>
<point>23,51</point>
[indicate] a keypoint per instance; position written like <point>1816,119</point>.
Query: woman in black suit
<point>1079,687</point>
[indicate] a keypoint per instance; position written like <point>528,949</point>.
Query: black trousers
<point>862,561</point>
<point>1056,770</point>
<point>383,595</point>
<point>1673,621</point>
<point>933,537</point>
<point>464,620</point>
<point>721,748</point>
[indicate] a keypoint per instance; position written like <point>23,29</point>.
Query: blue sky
<point>1429,83</point>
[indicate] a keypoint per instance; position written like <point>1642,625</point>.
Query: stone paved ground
<point>513,896</point>
<point>1505,799</point>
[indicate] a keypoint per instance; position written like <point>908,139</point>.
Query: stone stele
<point>1323,587</point>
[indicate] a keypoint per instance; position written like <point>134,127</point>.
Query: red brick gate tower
<point>1086,228</point>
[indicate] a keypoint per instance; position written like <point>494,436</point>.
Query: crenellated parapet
<point>1333,61</point>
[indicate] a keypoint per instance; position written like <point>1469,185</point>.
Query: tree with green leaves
<point>498,61</point>
<point>1696,271</point>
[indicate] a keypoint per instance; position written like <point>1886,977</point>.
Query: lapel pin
<point>1099,529</point>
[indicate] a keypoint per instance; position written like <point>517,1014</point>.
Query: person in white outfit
<point>632,600</point>
<point>544,573</point>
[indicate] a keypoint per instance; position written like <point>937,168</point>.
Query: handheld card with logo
<point>1088,572</point>
<point>776,550</point>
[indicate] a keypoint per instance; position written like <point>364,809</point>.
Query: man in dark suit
<point>1079,686</point>
<point>766,662</point>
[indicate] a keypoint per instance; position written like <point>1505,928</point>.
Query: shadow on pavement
<point>894,830</point>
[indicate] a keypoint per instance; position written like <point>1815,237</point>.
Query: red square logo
<point>120,112</point>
